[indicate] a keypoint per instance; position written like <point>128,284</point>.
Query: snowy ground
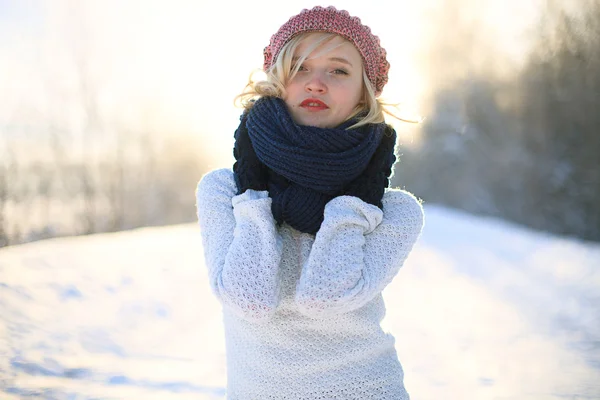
<point>481,310</point>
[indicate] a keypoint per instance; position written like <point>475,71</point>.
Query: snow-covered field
<point>481,310</point>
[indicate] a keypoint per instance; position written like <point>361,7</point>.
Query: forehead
<point>336,46</point>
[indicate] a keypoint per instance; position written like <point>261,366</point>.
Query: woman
<point>301,237</point>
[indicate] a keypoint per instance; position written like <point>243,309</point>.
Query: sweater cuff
<point>351,208</point>
<point>248,195</point>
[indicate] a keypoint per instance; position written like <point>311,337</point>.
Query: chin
<point>317,123</point>
<point>313,120</point>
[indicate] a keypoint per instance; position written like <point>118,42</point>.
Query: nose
<point>315,84</point>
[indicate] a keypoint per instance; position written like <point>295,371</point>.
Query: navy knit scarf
<point>308,166</point>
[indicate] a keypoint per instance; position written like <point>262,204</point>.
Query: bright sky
<point>185,60</point>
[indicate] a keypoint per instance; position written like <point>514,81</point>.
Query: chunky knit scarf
<point>305,166</point>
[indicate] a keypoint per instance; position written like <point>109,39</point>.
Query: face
<point>328,85</point>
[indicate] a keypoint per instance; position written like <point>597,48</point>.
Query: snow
<point>482,309</point>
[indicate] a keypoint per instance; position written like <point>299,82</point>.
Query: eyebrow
<point>338,59</point>
<point>341,60</point>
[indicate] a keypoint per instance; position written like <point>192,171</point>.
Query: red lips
<point>313,105</point>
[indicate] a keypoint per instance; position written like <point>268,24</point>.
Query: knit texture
<point>339,22</point>
<point>370,185</point>
<point>316,163</point>
<point>302,313</point>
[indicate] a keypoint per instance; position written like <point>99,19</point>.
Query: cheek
<point>291,90</point>
<point>355,92</point>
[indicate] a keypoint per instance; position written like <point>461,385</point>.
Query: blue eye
<point>340,72</point>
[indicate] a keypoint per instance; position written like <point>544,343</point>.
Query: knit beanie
<point>340,22</point>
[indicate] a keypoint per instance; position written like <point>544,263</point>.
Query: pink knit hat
<point>340,22</point>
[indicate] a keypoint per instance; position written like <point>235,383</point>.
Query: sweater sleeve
<point>357,252</point>
<point>242,248</point>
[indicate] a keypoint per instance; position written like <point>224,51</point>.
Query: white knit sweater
<point>302,312</point>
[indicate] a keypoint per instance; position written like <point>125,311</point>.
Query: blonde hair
<point>285,68</point>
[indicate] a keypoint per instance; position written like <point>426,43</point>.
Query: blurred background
<point>111,111</point>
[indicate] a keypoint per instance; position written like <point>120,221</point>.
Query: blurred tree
<point>9,172</point>
<point>560,120</point>
<point>527,148</point>
<point>4,238</point>
<point>83,159</point>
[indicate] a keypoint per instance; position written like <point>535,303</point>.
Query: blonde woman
<point>303,233</point>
